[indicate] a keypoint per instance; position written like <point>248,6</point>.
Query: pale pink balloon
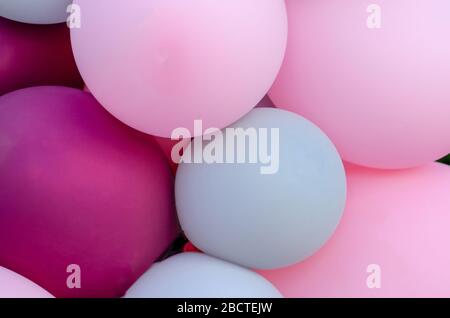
<point>381,94</point>
<point>158,65</point>
<point>395,231</point>
<point>13,285</point>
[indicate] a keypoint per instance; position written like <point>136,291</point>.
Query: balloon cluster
<point>226,123</point>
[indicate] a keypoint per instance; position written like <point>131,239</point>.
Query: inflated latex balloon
<point>392,241</point>
<point>35,11</point>
<point>375,78</point>
<point>195,275</point>
<point>35,55</point>
<point>162,64</point>
<point>81,195</point>
<point>273,201</point>
<point>13,285</point>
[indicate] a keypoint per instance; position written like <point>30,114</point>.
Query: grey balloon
<point>195,275</point>
<point>234,212</point>
<point>35,11</point>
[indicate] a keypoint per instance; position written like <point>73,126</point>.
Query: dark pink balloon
<point>79,187</point>
<point>32,55</point>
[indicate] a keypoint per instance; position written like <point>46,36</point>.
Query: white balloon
<point>35,11</point>
<point>196,275</point>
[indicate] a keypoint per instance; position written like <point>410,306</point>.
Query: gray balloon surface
<point>35,11</point>
<point>234,212</point>
<point>195,275</point>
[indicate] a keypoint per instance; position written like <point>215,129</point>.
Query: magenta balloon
<point>394,235</point>
<point>32,55</point>
<point>79,187</point>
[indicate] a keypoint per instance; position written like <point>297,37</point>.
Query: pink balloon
<point>381,94</point>
<point>13,285</point>
<point>158,65</point>
<point>395,232</point>
<point>32,55</point>
<point>77,187</point>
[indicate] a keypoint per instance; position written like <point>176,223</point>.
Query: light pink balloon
<point>396,224</point>
<point>381,94</point>
<point>13,285</point>
<point>161,64</point>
